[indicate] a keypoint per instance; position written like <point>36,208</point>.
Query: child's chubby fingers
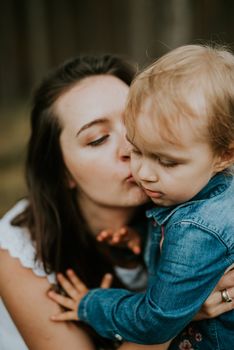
<point>106,281</point>
<point>113,237</point>
<point>108,236</point>
<point>123,231</point>
<point>102,236</point>
<point>136,249</point>
<point>69,288</point>
<point>105,236</point>
<point>65,316</point>
<point>63,301</point>
<point>134,245</point>
<point>120,235</point>
<point>77,283</point>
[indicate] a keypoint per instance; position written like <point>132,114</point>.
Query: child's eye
<point>98,141</point>
<point>168,164</point>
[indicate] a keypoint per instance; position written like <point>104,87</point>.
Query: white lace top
<point>19,245</point>
<point>17,241</point>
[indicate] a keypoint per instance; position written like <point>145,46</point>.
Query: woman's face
<point>93,142</point>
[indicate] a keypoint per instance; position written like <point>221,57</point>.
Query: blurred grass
<point>14,133</point>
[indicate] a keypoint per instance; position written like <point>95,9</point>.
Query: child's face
<point>169,173</point>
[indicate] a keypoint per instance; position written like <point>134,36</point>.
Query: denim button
<point>118,337</point>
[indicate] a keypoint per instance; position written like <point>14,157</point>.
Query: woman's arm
<point>25,297</point>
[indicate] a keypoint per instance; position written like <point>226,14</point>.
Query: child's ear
<point>226,159</point>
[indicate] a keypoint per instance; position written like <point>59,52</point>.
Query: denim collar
<point>217,184</point>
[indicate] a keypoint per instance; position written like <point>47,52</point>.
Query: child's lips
<point>153,194</point>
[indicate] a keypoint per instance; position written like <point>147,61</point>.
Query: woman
<point>79,183</point>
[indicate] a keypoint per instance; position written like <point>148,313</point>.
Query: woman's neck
<point>100,217</point>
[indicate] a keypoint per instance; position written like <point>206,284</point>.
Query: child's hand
<point>124,237</point>
<point>75,290</point>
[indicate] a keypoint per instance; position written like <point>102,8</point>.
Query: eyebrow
<point>92,123</point>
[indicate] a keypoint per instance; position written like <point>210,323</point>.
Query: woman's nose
<point>124,149</point>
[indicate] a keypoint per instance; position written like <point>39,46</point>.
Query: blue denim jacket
<point>198,247</point>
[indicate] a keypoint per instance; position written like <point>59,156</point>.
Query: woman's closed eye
<point>98,141</point>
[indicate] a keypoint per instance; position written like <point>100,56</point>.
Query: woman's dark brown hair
<point>61,235</point>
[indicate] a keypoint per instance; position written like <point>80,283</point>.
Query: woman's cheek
<point>134,165</point>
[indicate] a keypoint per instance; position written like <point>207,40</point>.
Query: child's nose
<point>146,174</point>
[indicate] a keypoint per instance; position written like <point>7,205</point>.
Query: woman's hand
<point>214,305</point>
<point>75,290</point>
<point>124,237</point>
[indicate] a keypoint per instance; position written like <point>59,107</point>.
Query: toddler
<point>180,124</point>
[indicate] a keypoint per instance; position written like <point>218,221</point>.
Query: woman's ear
<point>226,159</point>
<point>70,181</point>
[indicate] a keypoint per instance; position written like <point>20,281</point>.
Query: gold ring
<point>225,296</point>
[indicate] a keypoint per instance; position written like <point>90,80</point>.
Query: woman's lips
<point>153,194</point>
<point>130,179</point>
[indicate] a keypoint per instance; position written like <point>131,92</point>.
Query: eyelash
<point>169,165</point>
<point>98,141</point>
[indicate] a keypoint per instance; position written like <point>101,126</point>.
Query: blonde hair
<point>170,84</point>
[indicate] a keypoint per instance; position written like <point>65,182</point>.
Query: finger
<point>105,235</point>
<point>115,238</point>
<point>62,301</point>
<point>65,316</point>
<point>79,285</point>
<point>106,281</point>
<point>134,245</point>
<point>215,306</point>
<point>230,293</point>
<point>216,297</point>
<point>120,235</point>
<point>123,234</point>
<point>227,281</point>
<point>68,287</point>
<point>102,235</point>
<point>222,308</point>
<point>136,249</point>
<point>215,311</point>
<point>123,230</point>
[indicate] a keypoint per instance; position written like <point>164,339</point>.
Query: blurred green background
<point>35,35</point>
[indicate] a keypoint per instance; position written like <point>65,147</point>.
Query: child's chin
<point>162,202</point>
<point>158,201</point>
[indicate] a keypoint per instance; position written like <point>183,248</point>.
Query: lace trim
<point>17,241</point>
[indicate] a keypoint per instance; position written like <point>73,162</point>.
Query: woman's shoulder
<point>17,241</point>
<point>15,210</point>
<point>7,230</point>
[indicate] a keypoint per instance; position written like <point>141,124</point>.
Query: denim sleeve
<point>192,261</point>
